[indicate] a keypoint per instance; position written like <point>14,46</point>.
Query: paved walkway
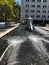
<point>6,31</point>
<point>40,30</point>
<point>45,28</point>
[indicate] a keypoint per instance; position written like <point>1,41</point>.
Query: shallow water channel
<point>25,48</point>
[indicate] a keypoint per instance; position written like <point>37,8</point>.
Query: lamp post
<point>30,22</point>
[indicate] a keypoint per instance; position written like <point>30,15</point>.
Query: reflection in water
<point>39,45</point>
<point>3,46</point>
<point>15,40</point>
<point>27,55</point>
<point>17,32</point>
<point>5,59</point>
<point>31,26</point>
<point>6,56</point>
<point>46,45</point>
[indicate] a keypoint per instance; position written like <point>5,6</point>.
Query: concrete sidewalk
<point>41,31</point>
<point>45,28</point>
<point>6,31</point>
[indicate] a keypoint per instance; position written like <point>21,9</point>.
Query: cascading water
<point>15,42</point>
<point>12,42</point>
<point>27,48</point>
<point>31,26</point>
<point>39,46</point>
<point>18,42</point>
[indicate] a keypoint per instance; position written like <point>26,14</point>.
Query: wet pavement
<point>27,48</point>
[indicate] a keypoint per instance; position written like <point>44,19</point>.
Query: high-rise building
<point>37,9</point>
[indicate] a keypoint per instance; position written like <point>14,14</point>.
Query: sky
<point>19,1</point>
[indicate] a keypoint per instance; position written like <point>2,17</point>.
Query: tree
<point>8,10</point>
<point>15,10</point>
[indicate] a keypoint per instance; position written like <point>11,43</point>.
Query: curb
<point>8,31</point>
<point>44,29</point>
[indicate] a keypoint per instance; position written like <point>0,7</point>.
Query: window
<point>48,11</point>
<point>38,16</point>
<point>44,6</point>
<point>38,11</point>
<point>33,0</point>
<point>38,0</point>
<point>32,16</point>
<point>44,0</point>
<point>48,6</point>
<point>26,10</point>
<point>43,16</point>
<point>38,6</point>
<point>26,5</point>
<point>27,0</point>
<point>32,5</point>
<point>26,15</point>
<point>33,11</point>
<point>48,16</point>
<point>44,11</point>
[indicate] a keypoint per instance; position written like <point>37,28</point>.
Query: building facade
<point>37,9</point>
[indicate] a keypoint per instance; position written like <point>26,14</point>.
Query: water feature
<point>28,55</point>
<point>39,45</point>
<point>3,45</point>
<point>31,26</point>
<point>25,48</point>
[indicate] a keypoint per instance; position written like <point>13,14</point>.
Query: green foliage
<point>8,10</point>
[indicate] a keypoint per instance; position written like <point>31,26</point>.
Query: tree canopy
<point>8,10</point>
